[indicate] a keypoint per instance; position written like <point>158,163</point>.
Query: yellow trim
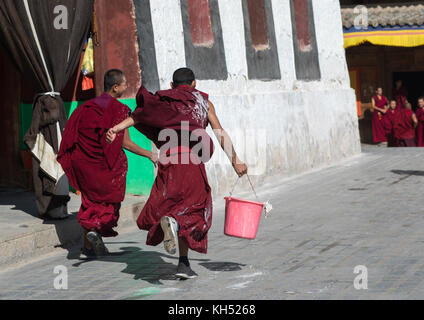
<point>398,38</point>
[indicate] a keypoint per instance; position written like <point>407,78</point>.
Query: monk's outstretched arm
<point>225,142</point>
<point>127,123</point>
<point>129,145</point>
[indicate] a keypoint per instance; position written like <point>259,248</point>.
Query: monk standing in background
<point>388,125</point>
<point>380,107</point>
<point>180,205</point>
<point>400,94</point>
<point>404,124</point>
<point>420,126</point>
<point>95,167</point>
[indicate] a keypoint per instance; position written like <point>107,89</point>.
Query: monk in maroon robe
<point>404,124</point>
<point>388,124</point>
<point>420,126</point>
<point>400,94</point>
<point>95,167</point>
<point>380,106</point>
<point>180,205</point>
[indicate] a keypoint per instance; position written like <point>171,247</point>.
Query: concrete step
<point>24,237</point>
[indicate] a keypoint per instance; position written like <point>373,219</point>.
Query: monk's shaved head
<point>113,77</point>
<point>183,76</point>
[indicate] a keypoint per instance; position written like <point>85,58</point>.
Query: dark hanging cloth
<point>45,39</point>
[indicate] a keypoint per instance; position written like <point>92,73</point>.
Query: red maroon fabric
<point>168,110</point>
<point>388,127</point>
<point>420,128</point>
<point>378,121</point>
<point>401,96</point>
<point>407,143</point>
<point>403,125</point>
<point>94,167</point>
<point>180,190</point>
<point>102,217</point>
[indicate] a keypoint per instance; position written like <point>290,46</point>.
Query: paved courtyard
<point>367,211</point>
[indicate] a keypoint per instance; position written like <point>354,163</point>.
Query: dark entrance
<point>413,82</point>
<point>11,163</point>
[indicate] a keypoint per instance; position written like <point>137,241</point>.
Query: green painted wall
<point>140,176</point>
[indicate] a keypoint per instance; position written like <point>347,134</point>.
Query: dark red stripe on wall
<point>258,24</point>
<point>117,35</point>
<point>304,41</point>
<point>301,17</point>
<point>261,45</point>
<point>200,23</point>
<point>204,50</point>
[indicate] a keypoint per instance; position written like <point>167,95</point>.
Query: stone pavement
<point>366,211</point>
<point>23,236</point>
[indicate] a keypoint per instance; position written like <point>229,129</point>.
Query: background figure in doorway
<point>400,93</point>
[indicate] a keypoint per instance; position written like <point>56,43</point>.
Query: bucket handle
<point>251,185</point>
<point>267,205</point>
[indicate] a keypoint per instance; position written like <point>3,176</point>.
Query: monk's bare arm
<point>129,145</point>
<point>415,120</point>
<point>226,142</point>
<point>127,123</point>
<point>377,108</point>
<point>373,103</point>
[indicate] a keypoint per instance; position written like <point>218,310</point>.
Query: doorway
<point>11,167</point>
<point>413,82</point>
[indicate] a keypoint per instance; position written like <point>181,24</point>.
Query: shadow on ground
<point>19,209</point>
<point>21,199</point>
<point>222,266</point>
<point>151,267</point>
<point>408,172</point>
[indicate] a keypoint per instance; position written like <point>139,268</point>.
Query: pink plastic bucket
<point>242,218</point>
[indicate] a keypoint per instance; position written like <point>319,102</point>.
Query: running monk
<point>180,205</point>
<point>96,168</point>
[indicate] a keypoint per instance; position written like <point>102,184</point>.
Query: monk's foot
<point>184,272</point>
<point>97,243</point>
<point>87,254</point>
<point>170,231</point>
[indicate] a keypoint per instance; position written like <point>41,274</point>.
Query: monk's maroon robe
<point>181,190</point>
<point>404,128</point>
<point>388,127</point>
<point>420,127</point>
<point>378,121</point>
<point>95,167</point>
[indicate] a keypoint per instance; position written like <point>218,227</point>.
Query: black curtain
<point>45,39</point>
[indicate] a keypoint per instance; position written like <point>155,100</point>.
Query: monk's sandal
<point>97,242</point>
<point>170,230</point>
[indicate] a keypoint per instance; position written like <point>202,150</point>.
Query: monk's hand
<point>155,159</point>
<point>241,169</point>
<point>111,135</point>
